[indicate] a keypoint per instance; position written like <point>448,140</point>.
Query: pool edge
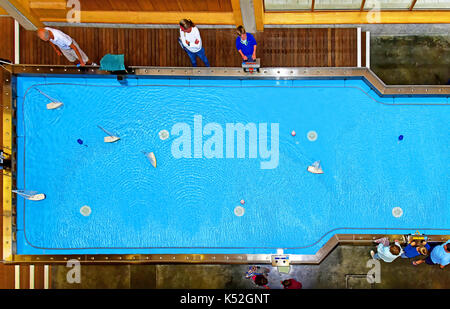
<point>324,251</point>
<point>7,177</point>
<point>282,73</point>
<point>8,218</point>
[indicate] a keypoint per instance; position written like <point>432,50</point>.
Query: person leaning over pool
<point>245,44</point>
<point>387,253</point>
<point>66,45</point>
<point>191,42</point>
<point>417,251</point>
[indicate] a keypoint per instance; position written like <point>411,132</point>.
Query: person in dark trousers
<point>191,42</point>
<point>291,284</point>
<point>417,251</point>
<point>245,44</point>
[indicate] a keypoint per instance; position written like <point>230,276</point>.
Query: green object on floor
<point>284,269</point>
<point>111,62</point>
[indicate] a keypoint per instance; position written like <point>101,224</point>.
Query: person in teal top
<point>440,255</point>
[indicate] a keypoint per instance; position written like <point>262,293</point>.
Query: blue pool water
<point>186,205</point>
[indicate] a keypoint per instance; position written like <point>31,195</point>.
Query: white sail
<point>54,104</point>
<point>30,195</point>
<point>315,168</point>
<point>111,138</point>
<point>151,157</point>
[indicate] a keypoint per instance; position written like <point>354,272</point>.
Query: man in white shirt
<point>191,42</point>
<point>67,46</point>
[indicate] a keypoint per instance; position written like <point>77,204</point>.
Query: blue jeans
<point>249,58</point>
<point>200,54</point>
<point>428,260</point>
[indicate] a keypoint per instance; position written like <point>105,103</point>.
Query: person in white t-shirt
<point>67,46</point>
<point>191,42</point>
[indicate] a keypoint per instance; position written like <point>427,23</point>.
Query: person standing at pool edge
<point>245,44</point>
<point>191,42</point>
<point>67,46</point>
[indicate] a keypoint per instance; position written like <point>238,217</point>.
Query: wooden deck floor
<point>291,47</point>
<point>159,47</point>
<point>7,38</point>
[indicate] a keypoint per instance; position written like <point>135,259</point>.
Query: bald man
<point>67,46</point>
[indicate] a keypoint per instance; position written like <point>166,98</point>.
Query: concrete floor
<point>411,59</point>
<point>344,268</point>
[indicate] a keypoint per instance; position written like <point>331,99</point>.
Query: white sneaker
<point>372,253</point>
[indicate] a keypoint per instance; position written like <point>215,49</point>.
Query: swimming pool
<point>187,204</point>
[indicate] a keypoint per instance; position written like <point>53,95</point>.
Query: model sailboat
<point>30,195</point>
<point>111,138</point>
<point>54,104</point>
<point>315,168</point>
